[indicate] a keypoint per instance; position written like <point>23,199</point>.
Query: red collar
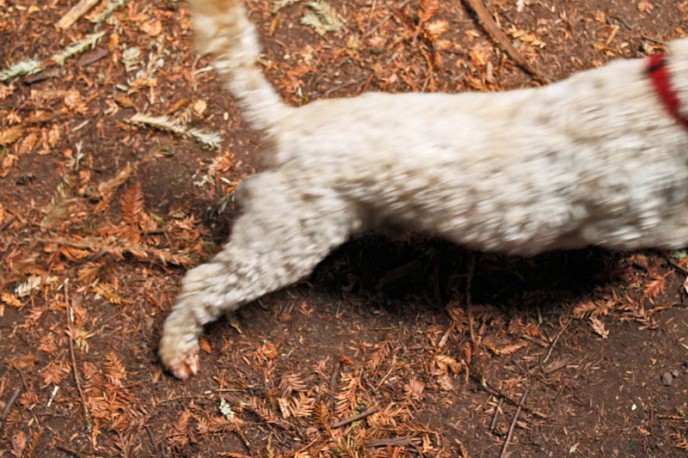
<point>658,73</point>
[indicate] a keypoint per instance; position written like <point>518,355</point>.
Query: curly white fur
<point>591,160</point>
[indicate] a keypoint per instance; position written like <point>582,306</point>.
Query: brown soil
<point>432,345</point>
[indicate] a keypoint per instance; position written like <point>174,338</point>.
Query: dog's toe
<point>187,367</point>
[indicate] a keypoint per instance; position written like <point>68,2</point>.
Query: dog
<point>600,158</point>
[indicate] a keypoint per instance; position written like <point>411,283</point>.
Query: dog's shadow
<point>434,273</point>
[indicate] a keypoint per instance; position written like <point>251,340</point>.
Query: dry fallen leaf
<point>152,28</point>
<point>645,7</point>
<point>7,161</point>
<point>10,135</point>
<point>598,327</point>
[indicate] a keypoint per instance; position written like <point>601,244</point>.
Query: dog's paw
<point>181,360</point>
<point>187,367</point>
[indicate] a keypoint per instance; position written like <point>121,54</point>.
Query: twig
<point>469,300</point>
<point>497,393</point>
<point>385,19</point>
<point>244,440</point>
<point>69,451</point>
<point>8,407</point>
<point>498,408</point>
<point>333,380</point>
<point>75,13</point>
<point>655,40</point>
<point>675,265</point>
<point>360,416</point>
<point>554,342</point>
<point>160,449</point>
<point>7,223</point>
<point>75,370</point>
<point>620,20</point>
<point>513,424</point>
<point>503,41</point>
<point>393,441</point>
<point>329,91</point>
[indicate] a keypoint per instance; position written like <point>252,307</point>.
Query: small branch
<point>513,425</point>
<point>75,13</point>
<point>554,342</point>
<point>70,452</point>
<point>495,392</point>
<point>469,301</point>
<point>675,265</point>
<point>499,37</point>
<point>393,441</point>
<point>360,416</point>
<point>7,223</point>
<point>8,407</point>
<point>498,408</point>
<point>329,91</point>
<point>243,438</point>
<point>75,371</point>
<point>385,19</point>
<point>159,448</point>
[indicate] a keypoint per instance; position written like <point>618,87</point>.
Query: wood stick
<point>75,13</point>
<point>499,37</point>
<point>360,416</point>
<point>75,370</point>
<point>513,424</point>
<point>393,441</point>
<point>554,342</point>
<point>488,388</point>
<point>8,407</point>
<point>498,407</point>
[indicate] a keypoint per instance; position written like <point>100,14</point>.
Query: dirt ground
<point>391,348</point>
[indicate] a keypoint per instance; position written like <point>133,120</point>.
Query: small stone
<point>675,373</point>
<point>667,379</point>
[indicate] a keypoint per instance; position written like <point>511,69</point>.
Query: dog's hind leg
<point>282,235</point>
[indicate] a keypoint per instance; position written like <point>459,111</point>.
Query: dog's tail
<point>224,31</point>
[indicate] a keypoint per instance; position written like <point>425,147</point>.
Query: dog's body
<point>592,160</point>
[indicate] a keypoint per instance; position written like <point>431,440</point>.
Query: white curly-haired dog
<point>600,158</point>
